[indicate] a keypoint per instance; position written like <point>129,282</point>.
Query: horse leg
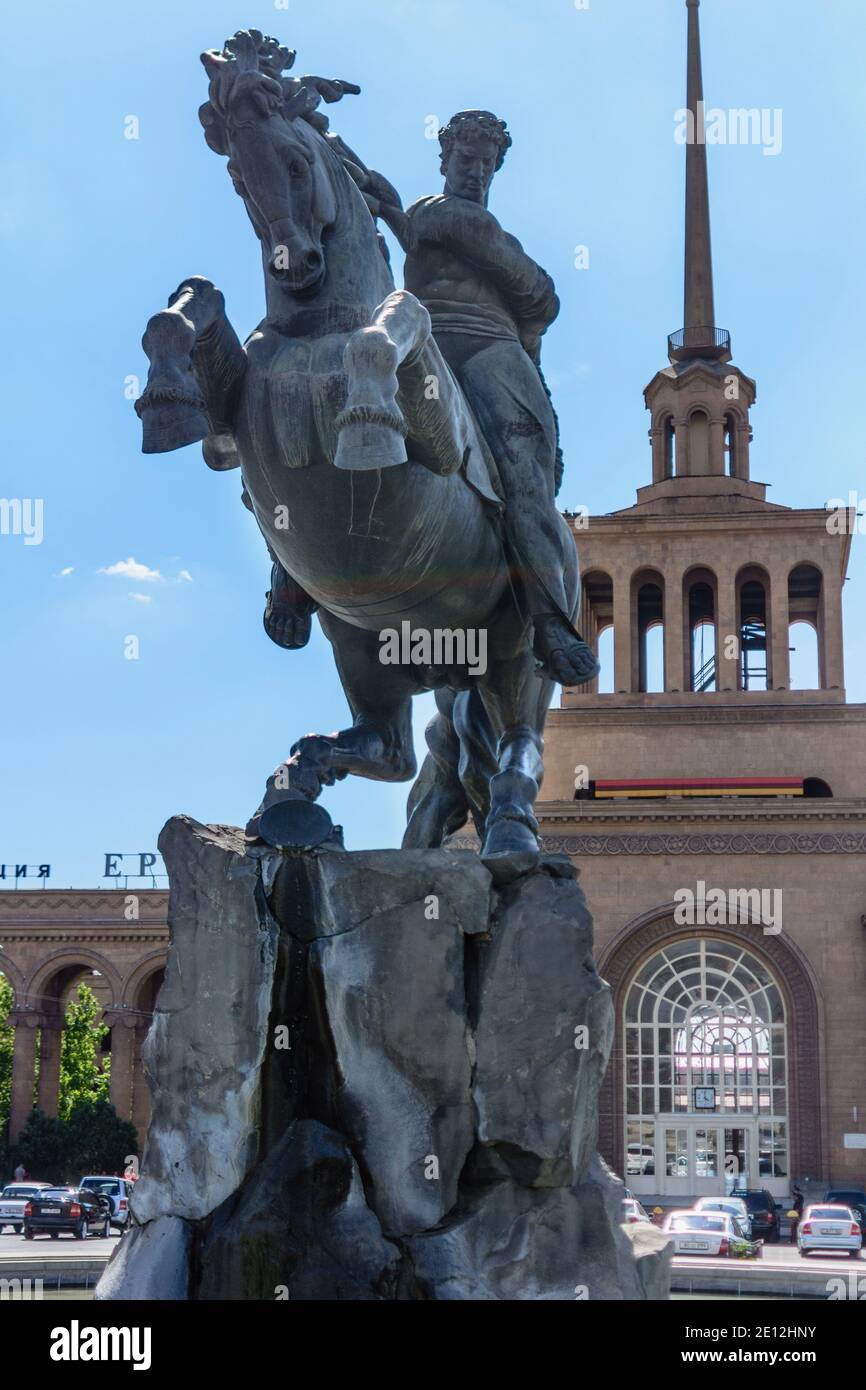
<point>437,804</point>
<point>379,743</point>
<point>197,365</point>
<point>515,699</point>
<point>372,428</point>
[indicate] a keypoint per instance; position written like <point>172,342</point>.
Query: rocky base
<point>375,1076</point>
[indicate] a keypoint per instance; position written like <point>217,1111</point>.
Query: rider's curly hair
<point>474,123</point>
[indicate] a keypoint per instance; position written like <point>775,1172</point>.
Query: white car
<point>733,1206</point>
<point>117,1190</point>
<point>826,1227</point>
<point>13,1200</point>
<point>632,1211</point>
<point>707,1233</point>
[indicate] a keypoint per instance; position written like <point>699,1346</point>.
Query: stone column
<point>717,446</point>
<point>25,1022</point>
<point>727,625</point>
<point>676,666</point>
<point>831,657</point>
<point>622,635</point>
<point>122,1047</point>
<point>779,675</point>
<point>49,1064</point>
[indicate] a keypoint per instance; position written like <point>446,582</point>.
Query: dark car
<point>70,1209</point>
<point>761,1206</point>
<point>849,1197</point>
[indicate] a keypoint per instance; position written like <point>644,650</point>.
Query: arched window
<point>706,1094</point>
<point>596,625</point>
<point>731,459</point>
<point>670,447</point>
<point>651,636</point>
<point>754,642</point>
<point>699,443</point>
<point>804,614</point>
<point>702,633</point>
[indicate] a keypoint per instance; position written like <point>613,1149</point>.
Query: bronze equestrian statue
<point>398,449</point>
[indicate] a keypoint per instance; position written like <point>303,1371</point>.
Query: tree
<point>98,1140</point>
<point>7,1042</point>
<point>84,1078</point>
<point>42,1147</point>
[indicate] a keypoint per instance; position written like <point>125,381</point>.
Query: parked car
<point>761,1206</point>
<point>13,1200</point>
<point>709,1233</point>
<point>734,1206</point>
<point>855,1198</point>
<point>632,1211</point>
<point>829,1227</point>
<point>117,1190</point>
<point>71,1209</point>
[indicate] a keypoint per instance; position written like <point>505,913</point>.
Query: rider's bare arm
<point>474,234</point>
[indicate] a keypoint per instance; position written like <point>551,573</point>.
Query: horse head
<point>277,162</point>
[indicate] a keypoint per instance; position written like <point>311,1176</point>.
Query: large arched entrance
<point>705,1094</point>
<point>713,1082</point>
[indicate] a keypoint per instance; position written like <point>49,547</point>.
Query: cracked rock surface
<point>375,1077</point>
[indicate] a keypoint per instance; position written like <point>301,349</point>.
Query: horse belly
<point>376,547</point>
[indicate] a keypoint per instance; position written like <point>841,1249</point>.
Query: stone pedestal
<point>375,1076</point>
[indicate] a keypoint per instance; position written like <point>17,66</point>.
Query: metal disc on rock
<point>295,824</point>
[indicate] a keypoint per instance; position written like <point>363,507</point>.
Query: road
<point>65,1247</point>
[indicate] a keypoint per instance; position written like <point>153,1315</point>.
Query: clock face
<point>705,1097</point>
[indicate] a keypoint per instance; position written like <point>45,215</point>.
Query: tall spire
<point>699,336</point>
<point>699,311</point>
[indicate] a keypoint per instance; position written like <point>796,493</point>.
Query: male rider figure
<point>490,304</point>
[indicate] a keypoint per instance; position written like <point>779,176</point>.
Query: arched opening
<point>699,444</point>
<point>816,786</point>
<point>753,631</point>
<point>596,626</point>
<point>804,630</point>
<point>700,609</point>
<point>705,1084</point>
<point>669,447</point>
<point>731,447</point>
<point>650,629</point>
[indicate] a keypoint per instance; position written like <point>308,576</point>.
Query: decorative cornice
<point>774,842</point>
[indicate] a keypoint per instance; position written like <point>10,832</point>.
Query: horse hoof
<point>295,824</point>
<point>363,446</point>
<point>510,849</point>
<point>168,425</point>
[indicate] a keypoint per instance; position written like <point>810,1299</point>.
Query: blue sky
<point>97,229</point>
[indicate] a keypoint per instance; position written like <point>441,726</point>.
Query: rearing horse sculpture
<point>365,469</point>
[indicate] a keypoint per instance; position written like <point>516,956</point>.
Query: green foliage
<point>43,1148</point>
<point>99,1140</point>
<point>93,1140</point>
<point>83,1077</point>
<point>7,1040</point>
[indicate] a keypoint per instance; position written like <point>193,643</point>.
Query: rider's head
<point>473,147</point>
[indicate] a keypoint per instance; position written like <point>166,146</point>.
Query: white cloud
<point>142,598</point>
<point>63,573</point>
<point>131,569</point>
<point>185,575</point>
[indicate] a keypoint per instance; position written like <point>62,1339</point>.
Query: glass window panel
<point>648,1071</point>
<point>632,1036</point>
<point>632,1100</point>
<point>649,1101</point>
<point>631,1005</point>
<point>648,1007</point>
<point>665,1071</point>
<point>665,1094</point>
<point>664,1042</point>
<point>647,1041</point>
<point>632,1071</point>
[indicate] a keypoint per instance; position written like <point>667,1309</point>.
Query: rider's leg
<point>516,417</point>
